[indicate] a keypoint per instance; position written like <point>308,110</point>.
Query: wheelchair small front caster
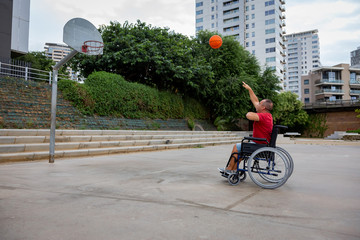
<point>234,179</point>
<point>242,175</point>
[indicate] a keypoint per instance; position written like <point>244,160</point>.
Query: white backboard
<point>77,31</point>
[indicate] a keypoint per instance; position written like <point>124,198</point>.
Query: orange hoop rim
<point>88,47</point>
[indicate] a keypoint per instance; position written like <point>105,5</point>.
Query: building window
<point>269,50</point>
<point>199,12</point>
<point>306,91</point>
<point>269,12</point>
<point>306,100</point>
<point>247,44</point>
<point>253,43</point>
<point>199,4</point>
<point>253,7</point>
<point>269,31</point>
<point>269,40</point>
<point>253,16</point>
<point>270,21</point>
<point>270,59</point>
<point>269,3</point>
<point>253,34</point>
<point>199,28</point>
<point>352,77</point>
<point>253,25</point>
<point>247,26</point>
<point>199,20</point>
<point>306,82</point>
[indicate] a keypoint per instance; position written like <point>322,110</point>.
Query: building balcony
<point>282,1</point>
<point>282,17</point>
<point>329,91</point>
<point>354,92</point>
<point>354,83</point>
<point>328,82</point>
<point>282,8</point>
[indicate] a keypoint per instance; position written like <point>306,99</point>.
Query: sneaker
<point>230,171</point>
<point>221,170</point>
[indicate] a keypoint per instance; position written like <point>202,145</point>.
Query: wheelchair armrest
<point>256,139</point>
<point>281,126</point>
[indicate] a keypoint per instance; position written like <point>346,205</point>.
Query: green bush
<point>108,94</point>
<point>354,131</point>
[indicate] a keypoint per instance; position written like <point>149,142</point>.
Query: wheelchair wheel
<point>268,167</point>
<point>242,176</point>
<point>234,179</point>
<point>289,158</point>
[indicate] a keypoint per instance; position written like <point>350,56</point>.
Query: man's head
<point>266,105</point>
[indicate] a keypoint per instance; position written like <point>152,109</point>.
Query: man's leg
<point>233,163</point>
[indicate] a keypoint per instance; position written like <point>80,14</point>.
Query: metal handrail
<point>28,73</point>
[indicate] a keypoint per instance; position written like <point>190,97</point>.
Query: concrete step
<point>97,138</point>
<point>34,147</point>
<point>66,132</point>
<point>38,155</point>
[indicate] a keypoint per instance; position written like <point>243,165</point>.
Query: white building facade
<point>257,24</point>
<point>302,56</point>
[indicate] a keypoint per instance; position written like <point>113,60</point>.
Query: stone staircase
<point>33,144</point>
<point>340,135</point>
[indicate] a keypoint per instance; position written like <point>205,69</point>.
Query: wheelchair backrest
<point>274,134</point>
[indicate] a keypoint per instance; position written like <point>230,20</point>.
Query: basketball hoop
<point>92,47</point>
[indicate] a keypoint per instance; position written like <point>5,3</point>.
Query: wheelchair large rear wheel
<point>289,158</point>
<point>268,167</point>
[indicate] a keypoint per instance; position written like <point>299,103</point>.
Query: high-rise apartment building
<point>355,57</point>
<point>303,55</point>
<point>257,25</point>
<point>56,51</point>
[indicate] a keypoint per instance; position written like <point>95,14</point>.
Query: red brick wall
<point>341,121</point>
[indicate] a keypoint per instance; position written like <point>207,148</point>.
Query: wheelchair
<point>268,166</point>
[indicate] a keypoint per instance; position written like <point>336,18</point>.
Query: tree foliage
<point>38,60</point>
<point>189,66</point>
<point>288,111</point>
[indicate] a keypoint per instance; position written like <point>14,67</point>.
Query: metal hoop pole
<point>53,104</point>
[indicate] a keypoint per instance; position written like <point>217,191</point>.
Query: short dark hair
<point>268,104</point>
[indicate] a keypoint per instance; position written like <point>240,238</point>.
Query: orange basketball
<point>215,41</point>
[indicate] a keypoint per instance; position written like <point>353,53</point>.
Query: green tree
<point>288,111</point>
<point>38,60</point>
<point>141,53</point>
<point>188,66</point>
<point>231,65</point>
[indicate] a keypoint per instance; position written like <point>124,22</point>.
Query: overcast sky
<point>338,21</point>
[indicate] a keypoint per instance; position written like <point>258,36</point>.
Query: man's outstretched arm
<point>253,97</point>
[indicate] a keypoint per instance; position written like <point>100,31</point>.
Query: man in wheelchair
<point>262,128</point>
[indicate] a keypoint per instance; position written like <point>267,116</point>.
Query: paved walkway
<point>179,194</point>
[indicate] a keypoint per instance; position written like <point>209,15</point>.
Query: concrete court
<point>179,194</point>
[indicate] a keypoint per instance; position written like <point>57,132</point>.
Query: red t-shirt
<point>263,128</point>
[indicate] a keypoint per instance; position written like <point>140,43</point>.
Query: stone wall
<point>28,105</point>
